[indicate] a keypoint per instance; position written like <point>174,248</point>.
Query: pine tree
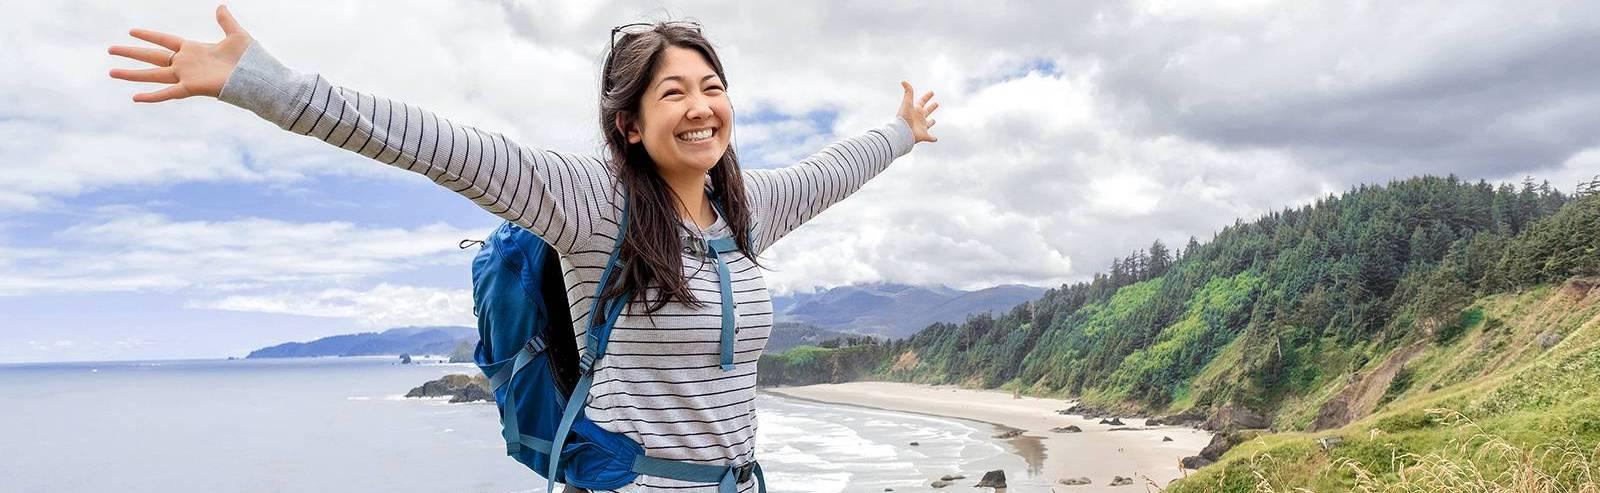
<point>1160,260</point>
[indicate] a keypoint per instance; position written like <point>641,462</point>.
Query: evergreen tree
<point>1160,259</point>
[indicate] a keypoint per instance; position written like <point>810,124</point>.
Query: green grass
<point>1528,420</point>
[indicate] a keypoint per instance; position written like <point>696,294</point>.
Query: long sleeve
<point>785,198</point>
<point>557,196</point>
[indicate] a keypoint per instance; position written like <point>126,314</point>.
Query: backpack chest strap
<point>715,249</point>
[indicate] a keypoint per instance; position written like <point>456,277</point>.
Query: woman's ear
<point>628,129</point>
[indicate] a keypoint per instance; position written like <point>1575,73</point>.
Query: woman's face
<point>684,100</point>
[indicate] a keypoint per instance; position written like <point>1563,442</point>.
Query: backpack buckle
<point>585,364</point>
<point>742,473</point>
<point>695,246</point>
<point>700,246</point>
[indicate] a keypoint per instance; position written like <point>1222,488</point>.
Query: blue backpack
<point>527,350</point>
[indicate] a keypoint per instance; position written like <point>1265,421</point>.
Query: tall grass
<point>1486,463</point>
<point>1478,462</point>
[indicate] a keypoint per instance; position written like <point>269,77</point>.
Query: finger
<point>164,75</point>
<point>931,123</point>
<point>930,109</point>
<point>148,55</point>
<point>171,92</point>
<point>225,19</point>
<point>925,98</point>
<point>908,94</point>
<point>168,41</point>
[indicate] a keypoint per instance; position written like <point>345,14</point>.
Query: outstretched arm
<point>557,196</point>
<point>783,199</point>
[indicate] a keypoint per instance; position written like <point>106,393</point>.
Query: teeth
<point>695,136</point>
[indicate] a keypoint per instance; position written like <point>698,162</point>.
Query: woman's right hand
<point>193,68</point>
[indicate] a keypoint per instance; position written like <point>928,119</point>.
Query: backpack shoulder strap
<point>715,249</point>
<point>594,349</point>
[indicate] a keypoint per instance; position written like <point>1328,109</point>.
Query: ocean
<point>342,424</point>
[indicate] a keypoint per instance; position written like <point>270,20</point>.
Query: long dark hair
<point>650,256</point>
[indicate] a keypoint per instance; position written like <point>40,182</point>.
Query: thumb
<point>906,100</point>
<point>225,19</point>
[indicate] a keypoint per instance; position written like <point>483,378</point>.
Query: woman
<point>667,122</point>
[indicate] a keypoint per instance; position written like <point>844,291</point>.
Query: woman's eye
<point>714,88</point>
<point>672,92</point>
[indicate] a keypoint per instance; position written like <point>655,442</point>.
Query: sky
<point>1070,133</point>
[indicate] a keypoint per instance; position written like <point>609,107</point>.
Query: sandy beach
<point>1095,453</point>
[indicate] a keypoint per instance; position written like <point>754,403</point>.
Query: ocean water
<point>341,424</point>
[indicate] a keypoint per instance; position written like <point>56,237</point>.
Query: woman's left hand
<point>916,115</point>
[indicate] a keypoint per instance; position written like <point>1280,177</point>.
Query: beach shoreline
<point>1095,453</point>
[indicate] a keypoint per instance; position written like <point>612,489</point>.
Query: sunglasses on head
<point>643,27</point>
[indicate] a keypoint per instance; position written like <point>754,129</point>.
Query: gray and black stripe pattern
<point>660,382</point>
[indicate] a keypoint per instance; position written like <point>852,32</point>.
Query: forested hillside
<point>1274,315</point>
<point>1313,317</point>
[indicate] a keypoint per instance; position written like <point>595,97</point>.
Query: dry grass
<point>1478,462</point>
<point>1482,463</point>
<point>1487,463</point>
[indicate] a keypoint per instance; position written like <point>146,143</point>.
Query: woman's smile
<point>696,136</point>
<point>700,136</point>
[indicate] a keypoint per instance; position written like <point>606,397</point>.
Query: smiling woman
<point>668,123</point>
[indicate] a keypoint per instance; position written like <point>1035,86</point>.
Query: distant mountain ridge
<point>878,309</point>
<point>895,310</point>
<point>402,340</point>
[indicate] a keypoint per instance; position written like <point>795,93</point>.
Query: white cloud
<point>57,345</point>
<point>71,129</point>
<point>384,305</point>
<point>135,251</point>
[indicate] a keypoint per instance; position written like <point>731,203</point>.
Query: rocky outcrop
<point>1085,410</point>
<point>1078,481</point>
<point>473,393</point>
<point>458,387</point>
<point>1066,429</point>
<point>1009,434</point>
<point>1192,417</point>
<point>463,351</point>
<point>993,479</point>
<point>1229,418</point>
<point>1195,462</point>
<point>1112,422</point>
<point>1220,444</point>
<point>1121,481</point>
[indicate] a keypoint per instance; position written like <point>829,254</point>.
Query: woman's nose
<point>700,109</point>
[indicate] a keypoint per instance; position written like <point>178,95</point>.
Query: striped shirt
<point>660,382</point>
